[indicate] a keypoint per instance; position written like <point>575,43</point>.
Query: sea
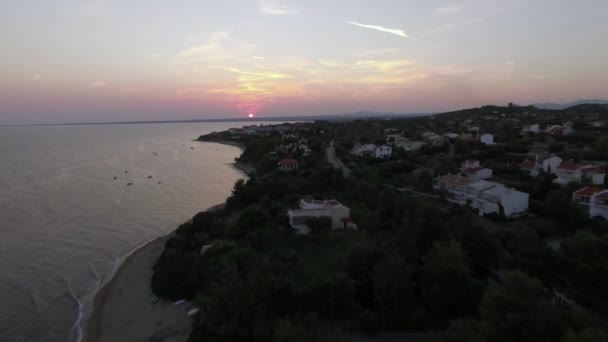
<point>76,200</point>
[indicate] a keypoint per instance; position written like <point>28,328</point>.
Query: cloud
<point>448,9</point>
<point>377,52</point>
<point>99,84</point>
<point>273,8</point>
<point>380,28</point>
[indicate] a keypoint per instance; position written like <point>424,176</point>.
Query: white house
<point>574,172</point>
<point>535,128</point>
<point>487,197</point>
<point>472,169</point>
<point>339,214</point>
<point>487,139</point>
<point>595,200</point>
<point>543,162</point>
<point>383,151</point>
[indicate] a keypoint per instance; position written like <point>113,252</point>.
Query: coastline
<point>244,168</point>
<point>113,318</point>
<point>114,291</point>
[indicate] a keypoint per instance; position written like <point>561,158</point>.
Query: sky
<point>123,60</point>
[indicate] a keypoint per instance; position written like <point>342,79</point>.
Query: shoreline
<point>122,295</point>
<point>106,294</point>
<point>244,168</point>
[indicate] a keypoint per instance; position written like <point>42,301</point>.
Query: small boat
<point>193,312</point>
<point>115,178</point>
<point>180,302</point>
<point>126,171</point>
<point>130,183</point>
<point>153,299</point>
<point>159,182</point>
<point>192,148</point>
<point>149,177</point>
<point>156,154</point>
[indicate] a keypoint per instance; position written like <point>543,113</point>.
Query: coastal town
<point>417,228</point>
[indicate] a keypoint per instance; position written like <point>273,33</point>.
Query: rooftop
<point>588,191</point>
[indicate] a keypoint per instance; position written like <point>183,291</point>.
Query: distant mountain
<point>560,106</point>
<point>588,108</point>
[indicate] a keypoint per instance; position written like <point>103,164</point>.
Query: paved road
<point>337,163</point>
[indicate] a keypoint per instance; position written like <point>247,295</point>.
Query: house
<point>371,150</point>
<point>288,165</point>
<point>487,197</point>
<point>338,213</point>
<point>559,129</point>
<point>595,200</point>
<point>576,172</point>
<point>413,145</point>
<point>452,136</point>
<point>472,169</point>
<point>535,129</point>
<point>543,162</point>
<point>383,151</point>
<point>487,139</point>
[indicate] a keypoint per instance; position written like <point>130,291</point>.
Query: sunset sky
<point>95,60</point>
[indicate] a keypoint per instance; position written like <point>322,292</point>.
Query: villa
<point>544,162</point>
<point>472,169</point>
<point>595,200</point>
<point>338,213</point>
<point>487,197</point>
<point>575,172</point>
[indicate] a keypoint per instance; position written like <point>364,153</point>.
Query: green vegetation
<point>415,264</point>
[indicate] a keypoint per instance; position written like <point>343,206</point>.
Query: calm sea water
<point>66,224</point>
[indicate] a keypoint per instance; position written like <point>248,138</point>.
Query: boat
<point>193,312</point>
<point>180,302</point>
<point>149,177</point>
<point>130,183</point>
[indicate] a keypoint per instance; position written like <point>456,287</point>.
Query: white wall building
<point>487,139</point>
<point>543,162</point>
<point>535,128</point>
<point>383,151</point>
<point>575,172</point>
<point>339,214</point>
<point>595,200</point>
<point>486,196</point>
<point>472,169</point>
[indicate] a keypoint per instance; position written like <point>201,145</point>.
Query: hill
<point>560,106</point>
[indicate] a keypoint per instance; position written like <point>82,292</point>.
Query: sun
<point>250,115</point>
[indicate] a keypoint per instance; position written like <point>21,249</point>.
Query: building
<point>535,129</point>
<point>487,197</point>
<point>487,139</point>
<point>371,150</point>
<point>338,213</point>
<point>595,200</point>
<point>575,172</point>
<point>472,169</point>
<point>288,165</point>
<point>383,151</point>
<point>543,162</point>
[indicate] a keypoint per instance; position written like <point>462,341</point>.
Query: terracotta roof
<point>588,191</point>
<point>528,164</point>
<point>474,169</point>
<point>593,169</point>
<point>570,166</point>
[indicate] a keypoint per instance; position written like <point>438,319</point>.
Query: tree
<point>424,181</point>
<point>445,281</point>
<point>288,331</point>
<point>319,224</point>
<point>558,205</point>
<point>394,288</point>
<point>516,309</point>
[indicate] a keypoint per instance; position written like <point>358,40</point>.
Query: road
<point>337,163</point>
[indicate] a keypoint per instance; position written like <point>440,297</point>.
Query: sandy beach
<point>122,311</point>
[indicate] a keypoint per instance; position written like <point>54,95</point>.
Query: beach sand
<point>122,311</point>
